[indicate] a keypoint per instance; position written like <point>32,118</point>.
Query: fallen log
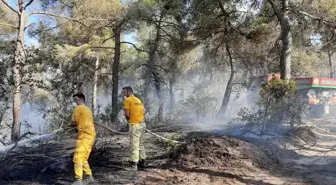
<point>45,136</point>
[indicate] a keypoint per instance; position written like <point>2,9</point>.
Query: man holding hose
<point>135,114</point>
<point>82,118</point>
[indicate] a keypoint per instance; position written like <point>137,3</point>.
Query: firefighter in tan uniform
<point>135,114</point>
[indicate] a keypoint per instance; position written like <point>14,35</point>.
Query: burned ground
<point>204,159</point>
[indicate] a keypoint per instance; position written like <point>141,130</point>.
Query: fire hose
<point>150,132</point>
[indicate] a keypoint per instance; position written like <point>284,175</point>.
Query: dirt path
<point>314,163</point>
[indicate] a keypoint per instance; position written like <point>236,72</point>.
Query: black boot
<point>142,164</point>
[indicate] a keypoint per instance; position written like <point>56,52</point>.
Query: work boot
<point>142,164</point>
<point>133,166</point>
<point>89,179</point>
<point>78,182</point>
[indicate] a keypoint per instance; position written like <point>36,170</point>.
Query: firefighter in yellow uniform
<point>135,114</point>
<point>82,118</point>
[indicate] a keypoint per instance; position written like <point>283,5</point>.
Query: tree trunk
<point>171,92</point>
<point>19,60</point>
<point>286,52</point>
<point>286,38</point>
<point>146,90</point>
<point>150,72</point>
<point>172,80</point>
<point>115,72</point>
<point>330,64</point>
<point>4,109</point>
<point>159,96</point>
<point>95,84</point>
<point>229,85</point>
<point>156,76</point>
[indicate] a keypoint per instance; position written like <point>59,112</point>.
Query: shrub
<point>278,104</point>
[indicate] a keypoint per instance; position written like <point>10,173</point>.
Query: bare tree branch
<point>135,47</point>
<point>101,47</point>
<point>49,29</point>
<point>68,18</point>
<point>276,11</point>
<point>9,25</point>
<point>28,4</point>
<point>221,6</point>
<point>10,7</point>
<point>325,22</point>
<point>3,143</point>
<point>107,39</point>
<point>59,16</point>
<point>67,5</point>
<point>16,143</point>
<point>32,155</point>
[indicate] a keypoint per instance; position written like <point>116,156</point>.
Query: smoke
<point>198,92</point>
<point>32,119</point>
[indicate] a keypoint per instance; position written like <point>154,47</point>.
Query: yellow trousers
<point>82,152</point>
<point>137,132</point>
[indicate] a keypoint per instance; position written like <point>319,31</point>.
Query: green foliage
<point>169,144</point>
<point>184,29</point>
<point>278,89</point>
<point>278,105</point>
<point>309,63</point>
<point>148,3</point>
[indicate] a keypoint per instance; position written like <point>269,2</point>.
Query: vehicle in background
<point>318,92</point>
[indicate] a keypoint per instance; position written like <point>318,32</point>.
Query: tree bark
<point>150,68</point>
<point>146,90</point>
<point>4,109</point>
<point>172,80</point>
<point>229,85</point>
<point>286,38</point>
<point>19,60</point>
<point>152,72</point>
<point>115,72</point>
<point>95,84</point>
<point>159,96</point>
<point>171,92</point>
<point>286,52</point>
<point>331,66</point>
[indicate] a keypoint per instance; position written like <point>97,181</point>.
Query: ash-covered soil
<point>305,157</point>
